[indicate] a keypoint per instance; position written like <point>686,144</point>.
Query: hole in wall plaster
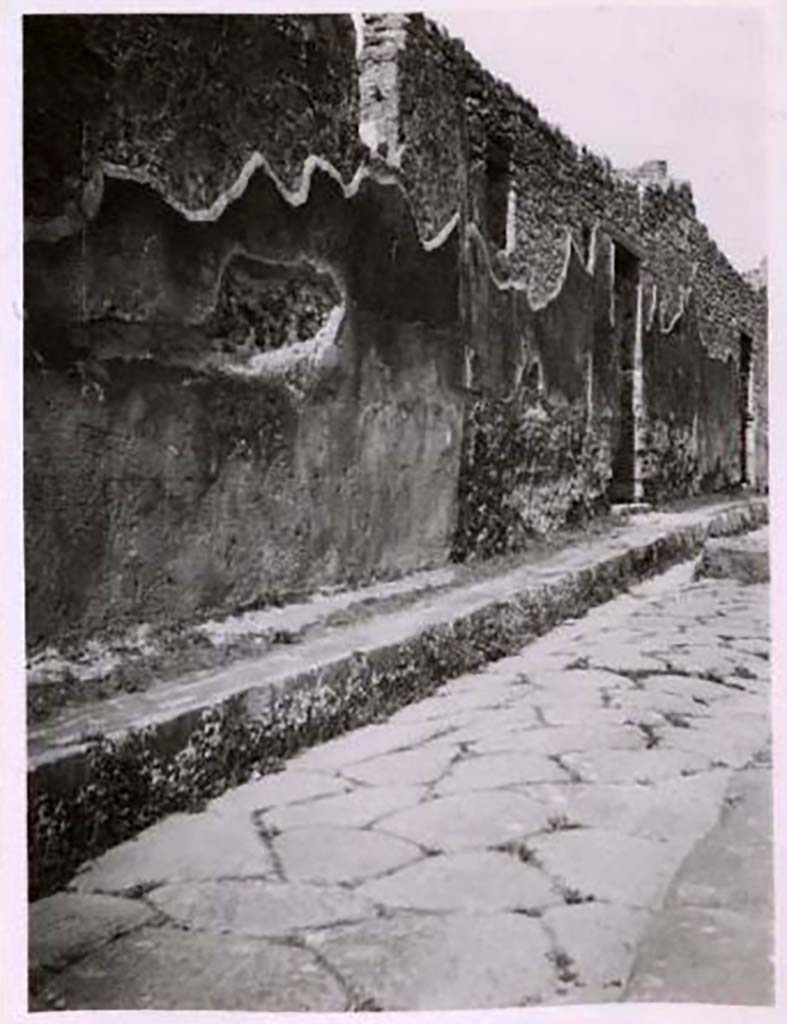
<point>262,307</point>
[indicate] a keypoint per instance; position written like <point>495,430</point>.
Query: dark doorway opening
<point>625,289</point>
<point>498,183</point>
<point>586,241</point>
<point>744,407</point>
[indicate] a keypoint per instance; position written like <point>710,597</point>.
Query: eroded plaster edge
<point>520,284</point>
<point>73,221</point>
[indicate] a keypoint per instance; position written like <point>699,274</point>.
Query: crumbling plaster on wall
<point>485,378</point>
<point>580,178</point>
<point>295,194</point>
<point>127,302</point>
<point>559,187</point>
<point>278,463</point>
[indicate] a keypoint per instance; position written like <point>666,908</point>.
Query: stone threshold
<point>102,772</point>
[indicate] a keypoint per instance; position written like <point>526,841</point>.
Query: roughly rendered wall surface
<point>193,444</point>
<point>693,309</point>
<point>281,330</point>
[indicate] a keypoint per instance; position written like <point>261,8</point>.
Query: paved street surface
<point>588,821</point>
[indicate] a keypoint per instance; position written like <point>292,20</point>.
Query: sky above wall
<point>684,84</point>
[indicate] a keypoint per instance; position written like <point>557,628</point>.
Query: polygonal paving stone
<point>676,809</point>
<point>562,711</point>
<point>601,941</point>
<point>518,715</point>
<point>285,787</point>
<point>618,657</point>
<point>755,648</point>
<point>735,725</point>
<point>348,810</point>
<point>742,632</point>
<point>458,961</point>
<point>575,683</point>
<point>546,654</point>
<point>433,711</point>
<point>168,969</point>
<point>257,907</point>
<point>480,882</point>
<point>732,666</point>
<point>610,866</point>
<point>750,710</point>
<point>492,681</point>
<point>181,848</point>
<point>421,765</point>
<point>63,927</point>
<point>567,738</point>
<point>480,694</point>
<point>639,766</point>
<point>655,699</point>
<point>720,747</point>
<point>685,686</point>
<point>498,726</point>
<point>361,744</point>
<point>344,855</point>
<point>493,771</point>
<point>468,820</point>
<point>507,670</point>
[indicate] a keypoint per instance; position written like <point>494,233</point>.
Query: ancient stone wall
<point>691,302</point>
<point>304,308</point>
<point>189,105</point>
<point>224,408</point>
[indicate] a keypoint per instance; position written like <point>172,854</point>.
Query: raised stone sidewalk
<point>587,820</point>
<point>186,739</point>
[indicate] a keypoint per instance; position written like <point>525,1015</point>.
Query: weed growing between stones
<point>572,897</point>
<point>529,911</point>
<point>652,738</point>
<point>519,849</point>
<point>564,966</point>
<point>676,720</point>
<point>561,823</point>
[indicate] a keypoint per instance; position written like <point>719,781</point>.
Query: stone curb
<point>85,798</point>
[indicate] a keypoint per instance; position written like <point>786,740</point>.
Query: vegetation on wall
<point>529,464</point>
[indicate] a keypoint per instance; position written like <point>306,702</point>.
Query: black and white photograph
<point>395,507</point>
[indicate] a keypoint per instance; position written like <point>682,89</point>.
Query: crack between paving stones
<point>38,977</point>
<point>423,849</point>
<point>559,960</point>
<point>267,808</point>
<point>639,674</point>
<point>355,998</point>
<point>138,891</point>
<point>406,748</point>
<point>573,775</point>
<point>430,794</point>
<point>266,835</point>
